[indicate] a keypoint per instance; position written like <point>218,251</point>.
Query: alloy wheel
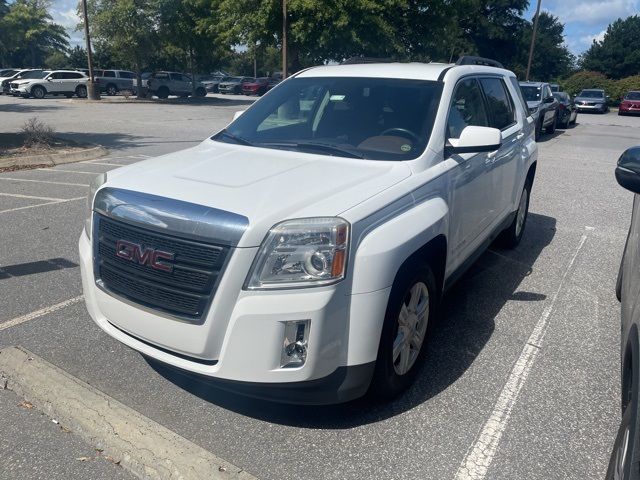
<point>411,328</point>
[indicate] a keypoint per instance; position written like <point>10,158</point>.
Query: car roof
<point>533,84</point>
<point>410,71</point>
<point>592,90</point>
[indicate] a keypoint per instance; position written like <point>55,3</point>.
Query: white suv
<point>56,82</point>
<point>300,253</point>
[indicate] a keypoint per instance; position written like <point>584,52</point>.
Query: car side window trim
<point>509,98</point>
<point>455,89</point>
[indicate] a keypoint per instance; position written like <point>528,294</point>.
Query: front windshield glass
<point>561,96</point>
<point>531,93</point>
<point>372,118</point>
<point>33,74</point>
<point>591,94</point>
<point>632,96</point>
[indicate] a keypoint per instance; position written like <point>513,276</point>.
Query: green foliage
<point>28,34</point>
<point>57,61</point>
<point>585,79</point>
<point>77,57</point>
<point>618,54</point>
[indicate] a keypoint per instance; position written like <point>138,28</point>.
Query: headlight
<point>302,253</point>
<point>96,183</point>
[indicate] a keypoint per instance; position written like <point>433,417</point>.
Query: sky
<point>585,20</point>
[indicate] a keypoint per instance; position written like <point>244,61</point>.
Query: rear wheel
<point>511,236</point>
<point>38,91</point>
<point>411,307</point>
<point>81,91</point>
<point>201,92</point>
<point>111,89</point>
<point>163,92</point>
<point>552,128</point>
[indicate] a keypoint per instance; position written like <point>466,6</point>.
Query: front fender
<point>384,249</point>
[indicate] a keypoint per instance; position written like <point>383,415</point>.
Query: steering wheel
<point>402,131</point>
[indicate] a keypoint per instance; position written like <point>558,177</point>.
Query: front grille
<point>185,292</point>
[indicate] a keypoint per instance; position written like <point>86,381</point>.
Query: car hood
<point>26,80</point>
<point>265,185</point>
<point>589,99</point>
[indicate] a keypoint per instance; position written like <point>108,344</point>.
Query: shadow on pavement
<point>26,107</point>
<point>31,268</point>
<point>550,136</point>
<point>112,141</point>
<point>465,326</point>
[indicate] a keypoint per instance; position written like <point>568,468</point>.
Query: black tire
<point>538,132</point>
<point>511,236</point>
<point>111,90</point>
<point>201,92</point>
<point>68,95</point>
<point>387,383</point>
<point>552,128</point>
<point>38,92</point>
<point>81,91</point>
<point>237,91</point>
<point>163,92</point>
<point>623,463</point>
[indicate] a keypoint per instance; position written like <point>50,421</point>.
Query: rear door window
<point>109,73</point>
<point>127,75</point>
<point>499,103</point>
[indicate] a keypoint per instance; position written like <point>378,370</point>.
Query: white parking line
<point>39,313</point>
<point>60,170</point>
<point>13,179</point>
<point>479,457</point>
<point>42,204</point>
<point>17,195</point>
<point>110,164</point>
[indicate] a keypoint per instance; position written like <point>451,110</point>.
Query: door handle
<point>520,136</point>
<point>492,155</point>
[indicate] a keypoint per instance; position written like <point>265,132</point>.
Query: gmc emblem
<point>150,257</point>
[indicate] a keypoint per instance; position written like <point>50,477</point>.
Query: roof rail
<point>357,60</point>
<point>471,60</point>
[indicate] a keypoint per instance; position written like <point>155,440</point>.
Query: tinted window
<point>177,77</point>
<point>531,92</point>
<point>632,96</point>
<point>33,74</point>
<point>467,108</point>
<point>109,73</point>
<point>56,75</point>
<point>375,118</point>
<point>592,94</point>
<point>161,76</point>
<point>74,75</point>
<point>499,103</point>
<point>127,75</point>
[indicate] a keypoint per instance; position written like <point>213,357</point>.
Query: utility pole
<point>533,39</point>
<point>284,39</point>
<point>93,90</point>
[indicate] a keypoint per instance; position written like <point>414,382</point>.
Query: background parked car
<point>541,101</point>
<point>233,84</point>
<point>163,84</point>
<point>57,82</point>
<point>5,80</point>
<point>630,104</point>
<point>8,73</point>
<point>210,82</point>
<point>258,87</point>
<point>554,87</point>
<point>623,464</point>
<point>592,100</point>
<point>567,113</point>
<point>113,81</point>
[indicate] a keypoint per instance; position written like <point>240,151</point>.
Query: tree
<point>77,57</point>
<point>618,54</point>
<point>128,27</point>
<point>57,61</point>
<point>30,34</point>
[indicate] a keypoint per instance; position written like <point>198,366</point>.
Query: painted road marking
<point>479,457</point>
<point>60,170</point>
<point>31,197</point>
<point>110,164</point>
<point>39,313</point>
<point>42,204</point>
<point>13,179</point>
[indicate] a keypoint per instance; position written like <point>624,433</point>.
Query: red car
<point>630,104</point>
<point>259,87</point>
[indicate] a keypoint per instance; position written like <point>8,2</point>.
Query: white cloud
<point>588,39</point>
<point>592,12</point>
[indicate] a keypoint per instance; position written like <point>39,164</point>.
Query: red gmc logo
<point>144,256</point>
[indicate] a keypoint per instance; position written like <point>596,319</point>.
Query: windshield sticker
<point>405,147</point>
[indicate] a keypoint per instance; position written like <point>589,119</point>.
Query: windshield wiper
<point>325,147</point>
<point>235,138</point>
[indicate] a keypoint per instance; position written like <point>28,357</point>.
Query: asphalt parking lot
<point>556,419</point>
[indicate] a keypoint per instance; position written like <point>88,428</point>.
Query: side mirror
<point>475,140</point>
<point>628,169</point>
<point>49,79</point>
<point>548,100</point>
<point>237,114</point>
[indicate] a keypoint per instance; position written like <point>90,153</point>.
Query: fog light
<point>294,345</point>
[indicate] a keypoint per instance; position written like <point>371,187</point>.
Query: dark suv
<point>542,103</point>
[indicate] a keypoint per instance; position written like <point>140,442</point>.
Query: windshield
<point>591,94</point>
<point>372,118</point>
<point>632,96</point>
<point>531,93</point>
<point>32,74</point>
<point>7,72</point>
<point>561,96</point>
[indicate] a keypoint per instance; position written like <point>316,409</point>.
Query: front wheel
<point>163,92</point>
<point>111,90</point>
<point>511,236</point>
<point>411,307</point>
<point>38,91</point>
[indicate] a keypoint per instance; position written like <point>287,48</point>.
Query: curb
<point>53,159</point>
<point>141,446</point>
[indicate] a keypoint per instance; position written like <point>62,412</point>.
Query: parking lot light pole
<point>93,90</point>
<point>533,39</point>
<point>284,39</point>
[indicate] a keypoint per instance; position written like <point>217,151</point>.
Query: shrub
<point>623,85</point>
<point>37,133</point>
<point>581,80</point>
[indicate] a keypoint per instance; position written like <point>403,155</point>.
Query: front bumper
<point>591,108</point>
<point>239,345</point>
